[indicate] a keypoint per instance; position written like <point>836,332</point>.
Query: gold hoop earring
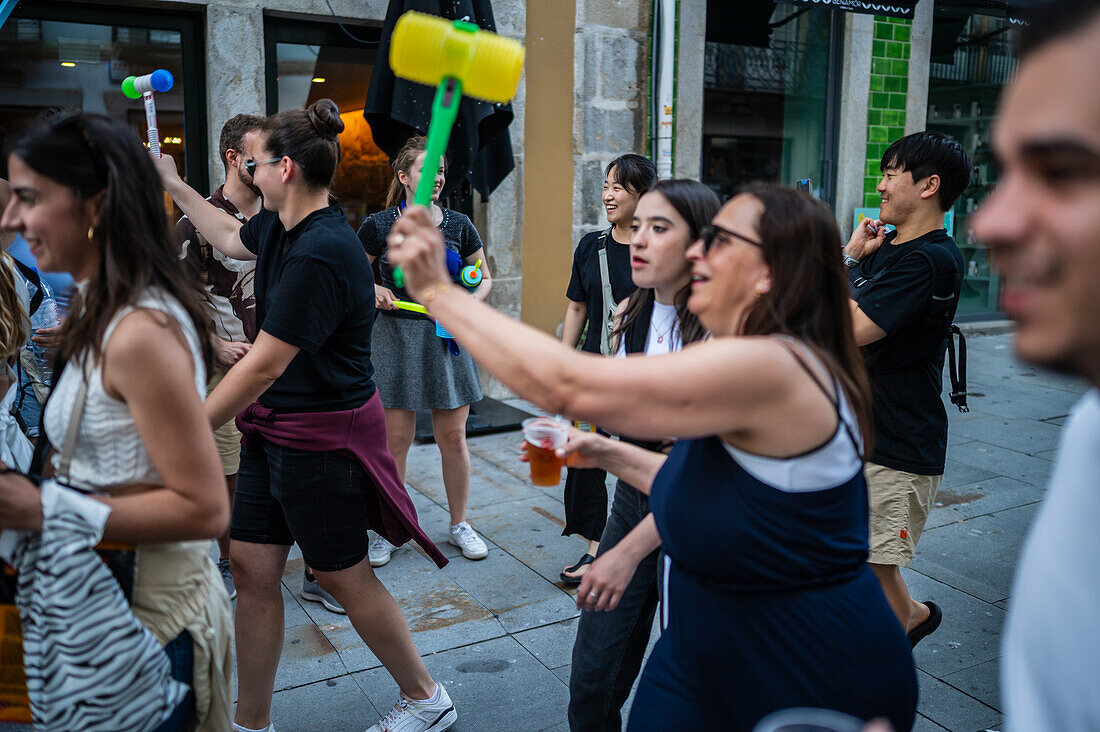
<point>91,232</point>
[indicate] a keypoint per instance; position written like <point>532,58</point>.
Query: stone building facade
<point>584,98</point>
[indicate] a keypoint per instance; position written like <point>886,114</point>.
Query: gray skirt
<point>414,370</point>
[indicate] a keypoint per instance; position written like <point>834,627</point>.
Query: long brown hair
<point>697,205</point>
<point>13,317</point>
<point>413,148</point>
<point>808,299</point>
<point>90,153</point>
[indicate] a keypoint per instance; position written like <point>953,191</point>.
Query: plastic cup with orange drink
<point>544,435</point>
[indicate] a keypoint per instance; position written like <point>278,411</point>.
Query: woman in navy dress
<point>761,506</point>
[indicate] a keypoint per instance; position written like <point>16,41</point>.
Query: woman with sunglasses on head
<point>414,367</point>
<point>314,468</point>
<point>654,320</point>
<point>761,506</point>
<point>136,347</point>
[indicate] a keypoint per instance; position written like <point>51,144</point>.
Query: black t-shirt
<point>586,286</point>
<point>459,235</point>
<point>314,290</point>
<point>911,291</point>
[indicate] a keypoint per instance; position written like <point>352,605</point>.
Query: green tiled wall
<point>886,107</point>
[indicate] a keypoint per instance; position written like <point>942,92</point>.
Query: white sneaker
<point>465,538</point>
<point>379,552</point>
<point>413,716</point>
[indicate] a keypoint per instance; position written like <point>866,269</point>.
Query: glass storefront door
<point>308,61</point>
<point>972,59</point>
<point>58,56</point>
<point>768,113</point>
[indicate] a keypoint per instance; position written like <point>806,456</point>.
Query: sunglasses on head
<point>713,232</point>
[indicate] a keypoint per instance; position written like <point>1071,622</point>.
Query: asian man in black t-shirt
<point>905,288</point>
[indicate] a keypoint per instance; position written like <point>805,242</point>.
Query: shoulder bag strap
<point>68,447</point>
<point>956,362</point>
<point>35,279</point>
<point>607,312</point>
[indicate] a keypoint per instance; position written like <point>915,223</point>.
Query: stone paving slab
<point>947,553</point>
<point>970,633</point>
<point>996,460</point>
<point>333,705</point>
<point>551,644</point>
<point>947,706</point>
<point>983,682</point>
<point>496,685</point>
<point>924,724</point>
<point>308,656</point>
<point>988,496</point>
<point>515,594</point>
<point>530,530</point>
<point>1026,436</point>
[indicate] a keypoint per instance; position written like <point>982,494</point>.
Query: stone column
<point>855,91</point>
<point>920,54</point>
<point>611,66</point>
<point>234,72</point>
<point>687,145</point>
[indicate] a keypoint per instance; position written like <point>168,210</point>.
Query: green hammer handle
<point>444,112</point>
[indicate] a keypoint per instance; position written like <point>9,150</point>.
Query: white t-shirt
<point>1050,672</point>
<point>664,333</point>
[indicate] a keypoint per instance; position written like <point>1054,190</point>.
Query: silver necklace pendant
<point>660,339</point>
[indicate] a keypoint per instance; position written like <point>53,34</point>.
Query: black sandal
<point>586,559</point>
<point>925,629</point>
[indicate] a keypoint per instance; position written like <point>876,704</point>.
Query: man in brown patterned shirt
<point>227,292</point>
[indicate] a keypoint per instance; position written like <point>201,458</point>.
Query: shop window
<point>63,56</point>
<point>972,59</point>
<point>307,61</point>
<point>771,86</point>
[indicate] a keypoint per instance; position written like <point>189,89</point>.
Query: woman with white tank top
<point>135,349</point>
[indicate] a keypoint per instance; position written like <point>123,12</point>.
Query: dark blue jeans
<point>181,654</point>
<point>610,646</point>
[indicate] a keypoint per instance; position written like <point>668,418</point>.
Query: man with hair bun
<point>1042,224</point>
<point>905,287</point>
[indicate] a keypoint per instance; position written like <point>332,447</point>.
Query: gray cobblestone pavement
<point>499,632</point>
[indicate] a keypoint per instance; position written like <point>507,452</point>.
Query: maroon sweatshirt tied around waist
<point>359,434</point>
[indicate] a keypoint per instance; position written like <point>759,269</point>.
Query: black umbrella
<point>480,147</point>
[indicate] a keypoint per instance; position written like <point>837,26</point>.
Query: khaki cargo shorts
<point>900,504</point>
<point>227,437</point>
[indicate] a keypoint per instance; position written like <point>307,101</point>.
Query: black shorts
<point>318,499</point>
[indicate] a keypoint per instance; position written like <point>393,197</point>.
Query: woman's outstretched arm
<point>718,387</point>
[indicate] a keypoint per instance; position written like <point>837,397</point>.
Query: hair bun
<point>324,115</point>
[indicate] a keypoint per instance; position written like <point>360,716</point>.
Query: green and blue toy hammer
<point>458,58</point>
<point>142,87</point>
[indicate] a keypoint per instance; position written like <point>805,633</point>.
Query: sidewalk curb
<point>986,327</point>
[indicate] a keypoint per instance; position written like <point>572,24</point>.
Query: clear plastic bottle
<point>46,316</point>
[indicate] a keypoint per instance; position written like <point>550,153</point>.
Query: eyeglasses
<point>710,236</point>
<point>250,165</point>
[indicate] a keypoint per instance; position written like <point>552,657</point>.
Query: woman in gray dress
<point>413,367</point>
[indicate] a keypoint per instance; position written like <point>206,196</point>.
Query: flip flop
<point>925,629</point>
<point>586,559</point>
